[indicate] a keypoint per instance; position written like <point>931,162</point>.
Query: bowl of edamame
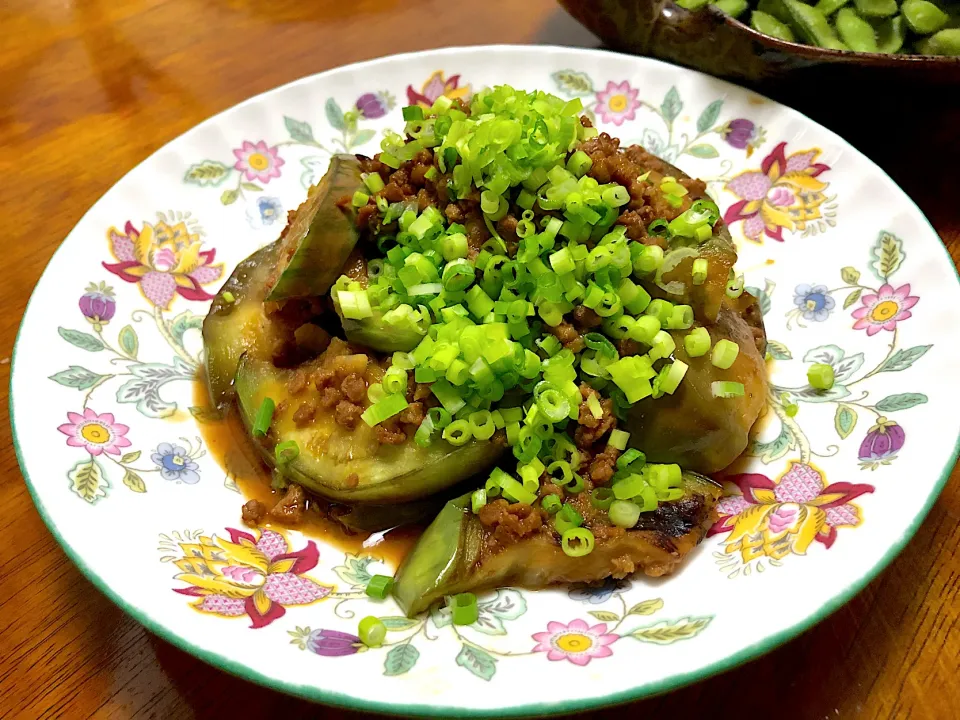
<point>763,40</point>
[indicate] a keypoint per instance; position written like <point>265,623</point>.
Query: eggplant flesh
<point>457,552</point>
<point>350,466</point>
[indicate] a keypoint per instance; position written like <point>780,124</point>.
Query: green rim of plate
<point>636,692</point>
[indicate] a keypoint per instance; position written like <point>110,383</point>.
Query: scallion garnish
<point>379,586</point>
<point>372,631</point>
<point>820,376</point>
<point>261,423</point>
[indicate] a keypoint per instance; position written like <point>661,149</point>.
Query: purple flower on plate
<point>98,305</point>
<point>743,134</point>
<point>333,643</point>
<point>374,105</point>
<point>882,443</point>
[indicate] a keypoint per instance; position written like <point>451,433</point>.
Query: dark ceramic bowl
<point>711,41</point>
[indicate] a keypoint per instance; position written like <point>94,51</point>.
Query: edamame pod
<point>876,8</point>
<point>769,25</point>
<point>944,42</point>
<point>891,34</point>
<point>733,8</point>
<point>923,17</point>
<point>856,32</point>
<point>812,25</point>
<point>829,7</point>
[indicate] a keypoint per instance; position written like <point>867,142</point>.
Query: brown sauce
<point>227,442</point>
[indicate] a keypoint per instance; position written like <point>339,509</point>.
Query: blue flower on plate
<point>813,301</point>
<point>265,212</point>
<point>175,463</point>
<point>596,594</point>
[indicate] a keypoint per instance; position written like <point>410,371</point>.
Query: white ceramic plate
<point>848,272</point>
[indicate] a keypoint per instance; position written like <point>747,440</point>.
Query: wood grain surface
<point>89,88</point>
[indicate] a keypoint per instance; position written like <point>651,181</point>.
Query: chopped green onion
<point>577,485</point>
<point>439,417</point>
<point>629,487</point>
<point>394,380</point>
<point>228,297</point>
<point>648,260</point>
<point>791,409</point>
<point>424,434</point>
<point>379,586</point>
<point>412,112</point>
<point>697,342</point>
<point>478,499</point>
<point>372,631</point>
<point>448,396</point>
<point>681,318</point>
<point>726,389</point>
<point>631,457</point>
<point>724,353</point>
<point>384,409</point>
<point>373,181</point>
<point>286,451</point>
<point>663,345</point>
<point>579,163</point>
<point>360,199</point>
<point>481,424</point>
<point>699,270</point>
<point>567,519</point>
<point>454,246</point>
<point>551,504</point>
<point>264,417</point>
<point>821,376</point>
<point>624,513</point>
<point>464,609</point>
<point>671,375</point>
<point>735,286</point>
<point>458,433</point>
<point>618,439</point>
<point>577,542</point>
<point>602,498</point>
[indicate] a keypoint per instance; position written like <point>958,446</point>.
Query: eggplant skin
<point>232,329</point>
<point>456,552</point>
<point>321,235</point>
<point>351,466</point>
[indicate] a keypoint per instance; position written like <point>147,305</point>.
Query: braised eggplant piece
<point>236,323</point>
<point>321,235</point>
<point>459,553</point>
<point>692,427</point>
<point>349,464</point>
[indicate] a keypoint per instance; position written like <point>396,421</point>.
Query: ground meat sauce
<point>341,387</point>
<point>647,201</point>
<point>509,523</point>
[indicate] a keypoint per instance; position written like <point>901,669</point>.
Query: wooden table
<point>89,88</point>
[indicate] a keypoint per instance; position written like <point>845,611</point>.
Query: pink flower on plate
<point>164,261</point>
<point>785,194</point>
<point>618,103</point>
<point>576,642</point>
<point>255,573</point>
<point>258,162</point>
<point>883,310</point>
<point>95,433</point>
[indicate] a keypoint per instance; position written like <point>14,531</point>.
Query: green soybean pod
<point>876,8</point>
<point>769,25</point>
<point>923,17</point>
<point>891,34</point>
<point>812,25</point>
<point>733,8</point>
<point>856,32</point>
<point>775,8</point>
<point>944,42</point>
<point>829,7</point>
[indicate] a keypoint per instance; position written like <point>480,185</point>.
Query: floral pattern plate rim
<point>847,270</point>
